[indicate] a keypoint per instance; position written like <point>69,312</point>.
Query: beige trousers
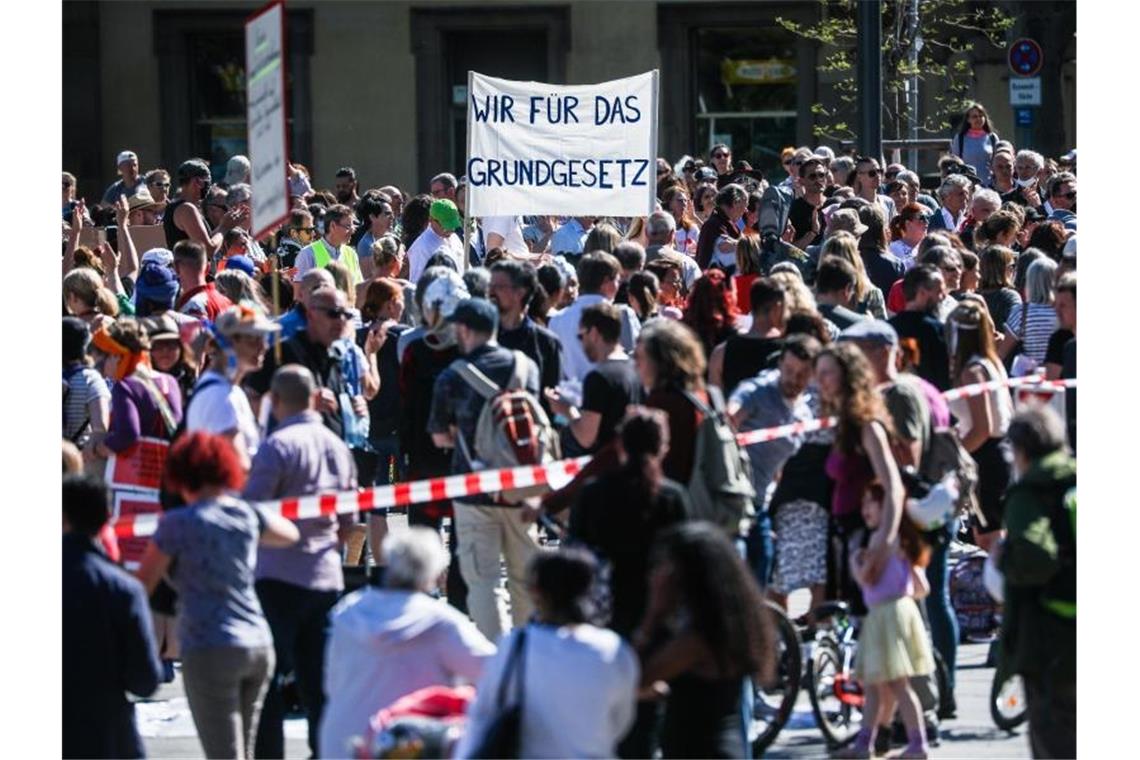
<point>485,534</point>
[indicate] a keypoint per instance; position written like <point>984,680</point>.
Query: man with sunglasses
<point>776,203</point>
<point>327,320</point>
<point>806,212</point>
<point>1062,203</point>
<point>339,225</point>
<point>158,182</point>
<point>865,182</point>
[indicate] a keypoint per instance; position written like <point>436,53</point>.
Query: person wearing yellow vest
<point>339,224</point>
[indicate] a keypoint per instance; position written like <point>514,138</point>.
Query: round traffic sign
<point>1025,57</point>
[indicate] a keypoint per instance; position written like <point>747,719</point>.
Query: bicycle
<point>772,704</point>
<point>836,695</point>
<point>1008,707</point>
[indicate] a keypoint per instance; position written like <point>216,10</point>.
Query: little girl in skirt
<point>893,642</point>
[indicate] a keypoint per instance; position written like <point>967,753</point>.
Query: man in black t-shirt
<point>806,214</point>
<point>744,356</point>
<point>513,285</point>
<point>611,386</point>
<point>924,288</point>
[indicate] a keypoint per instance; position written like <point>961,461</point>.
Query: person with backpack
<point>488,377</point>
<point>1038,560</point>
<point>976,141</point>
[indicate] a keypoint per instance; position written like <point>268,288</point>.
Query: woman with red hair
<point>209,549</point>
<point>711,310</point>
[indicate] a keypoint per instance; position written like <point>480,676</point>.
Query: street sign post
<point>1025,92</point>
<point>1025,57</point>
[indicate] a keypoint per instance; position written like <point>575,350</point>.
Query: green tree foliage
<point>947,32</point>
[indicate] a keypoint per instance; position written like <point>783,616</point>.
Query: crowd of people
<point>363,343</point>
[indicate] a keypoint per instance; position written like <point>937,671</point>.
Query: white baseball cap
<point>126,155</point>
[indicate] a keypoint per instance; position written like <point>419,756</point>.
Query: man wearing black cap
<point>183,220</point>
<point>485,531</point>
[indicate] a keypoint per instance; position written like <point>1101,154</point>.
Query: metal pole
<point>869,67</point>
<point>915,38</point>
<point>653,142</point>
<point>468,219</point>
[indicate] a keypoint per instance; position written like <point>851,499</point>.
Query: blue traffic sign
<point>1025,57</point>
<point>1023,116</point>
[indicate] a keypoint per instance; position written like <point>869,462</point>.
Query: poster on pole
<point>578,150</point>
<point>265,116</point>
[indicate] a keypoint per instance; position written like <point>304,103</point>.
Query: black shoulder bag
<point>504,735</point>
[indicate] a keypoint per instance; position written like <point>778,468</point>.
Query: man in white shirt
<point>443,221</point>
<point>506,232</point>
<point>598,276</point>
<point>571,236</point>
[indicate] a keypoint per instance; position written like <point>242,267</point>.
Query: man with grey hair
<point>660,231</point>
<point>388,642</point>
<point>954,193</point>
<point>1027,164</point>
<point>443,186</point>
<point>298,585</point>
<point>911,179</point>
<point>983,204</point>
<point>841,168</point>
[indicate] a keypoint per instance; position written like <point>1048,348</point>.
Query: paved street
<point>168,730</point>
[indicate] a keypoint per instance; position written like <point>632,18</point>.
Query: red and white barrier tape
<point>555,474</point>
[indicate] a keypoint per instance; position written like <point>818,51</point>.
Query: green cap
<point>446,213</point>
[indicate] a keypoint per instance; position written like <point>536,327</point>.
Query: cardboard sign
<point>92,237</point>
<point>147,236</point>
<point>537,148</point>
<point>265,117</point>
<point>139,468</point>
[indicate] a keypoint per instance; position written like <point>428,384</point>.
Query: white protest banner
<point>536,148</point>
<point>265,116</point>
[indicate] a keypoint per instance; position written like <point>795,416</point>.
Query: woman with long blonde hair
<point>868,298</point>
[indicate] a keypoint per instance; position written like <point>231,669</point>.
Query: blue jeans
<point>760,551</point>
<point>943,621</point>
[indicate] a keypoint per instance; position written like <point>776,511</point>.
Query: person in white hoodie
<point>388,642</point>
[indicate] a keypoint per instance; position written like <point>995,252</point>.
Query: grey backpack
<point>512,429</point>
<point>720,487</point>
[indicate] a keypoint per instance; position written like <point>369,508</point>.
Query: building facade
<point>380,86</point>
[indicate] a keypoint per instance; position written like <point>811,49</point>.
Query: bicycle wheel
<point>1008,707</point>
<point>772,704</point>
<point>836,698</point>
